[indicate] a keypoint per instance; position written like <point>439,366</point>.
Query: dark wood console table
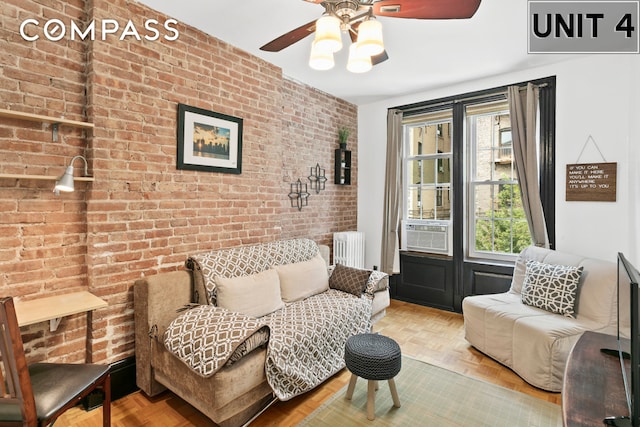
<point>593,387</point>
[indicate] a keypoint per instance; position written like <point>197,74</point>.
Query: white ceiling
<point>423,54</point>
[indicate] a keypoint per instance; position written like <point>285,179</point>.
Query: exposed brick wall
<point>142,216</point>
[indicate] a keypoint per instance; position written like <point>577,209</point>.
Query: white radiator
<point>348,248</point>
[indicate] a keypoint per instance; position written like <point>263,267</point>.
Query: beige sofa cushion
<point>254,295</point>
<point>303,279</point>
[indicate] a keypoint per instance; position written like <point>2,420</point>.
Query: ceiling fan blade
<point>426,9</point>
<point>381,57</point>
<point>290,38</point>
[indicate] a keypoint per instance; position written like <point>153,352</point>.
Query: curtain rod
<point>492,96</point>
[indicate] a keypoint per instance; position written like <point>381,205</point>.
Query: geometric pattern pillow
<point>551,287</point>
<point>349,279</point>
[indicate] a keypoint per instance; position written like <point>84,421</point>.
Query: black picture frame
<point>208,141</point>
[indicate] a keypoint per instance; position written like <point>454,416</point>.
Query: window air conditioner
<point>425,236</point>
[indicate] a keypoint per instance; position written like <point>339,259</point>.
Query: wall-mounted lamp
<point>317,178</point>
<point>65,182</point>
<point>299,195</point>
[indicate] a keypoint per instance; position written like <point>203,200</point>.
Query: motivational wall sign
<point>591,182</point>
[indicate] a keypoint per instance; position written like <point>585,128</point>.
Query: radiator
<point>348,248</point>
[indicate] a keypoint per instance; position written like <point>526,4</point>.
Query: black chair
<point>38,394</point>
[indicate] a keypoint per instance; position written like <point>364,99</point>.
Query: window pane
<point>443,203</point>
<point>484,235</point>
<point>483,201</point>
<point>429,171</point>
<point>413,171</point>
<point>444,171</point>
<point>482,127</point>
<point>413,203</point>
<point>444,143</point>
<point>431,137</point>
<point>500,222</point>
<point>415,143</point>
<point>429,203</point>
<point>503,201</point>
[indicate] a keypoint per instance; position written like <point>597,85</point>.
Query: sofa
<point>527,329</point>
<point>243,326</point>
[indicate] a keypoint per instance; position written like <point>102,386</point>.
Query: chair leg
<point>371,403</point>
<point>106,405</point>
<point>352,386</point>
<point>394,393</point>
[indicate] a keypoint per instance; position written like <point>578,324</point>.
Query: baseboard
<point>123,382</point>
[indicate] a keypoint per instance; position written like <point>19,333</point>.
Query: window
<point>460,184</point>
<point>427,168</point>
<point>497,226</point>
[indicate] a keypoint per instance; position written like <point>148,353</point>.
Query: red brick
<point>142,215</point>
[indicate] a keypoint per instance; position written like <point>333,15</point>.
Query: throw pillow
<point>349,279</point>
<point>551,287</point>
<point>303,279</point>
<point>254,295</point>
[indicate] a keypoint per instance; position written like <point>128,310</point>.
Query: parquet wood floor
<point>431,335</point>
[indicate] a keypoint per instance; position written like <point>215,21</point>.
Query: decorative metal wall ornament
<point>299,195</point>
<point>317,178</point>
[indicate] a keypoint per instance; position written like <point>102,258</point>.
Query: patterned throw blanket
<point>306,343</point>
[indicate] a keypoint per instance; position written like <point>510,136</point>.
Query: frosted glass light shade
<point>358,62</point>
<point>328,35</point>
<point>370,37</point>
<point>320,59</point>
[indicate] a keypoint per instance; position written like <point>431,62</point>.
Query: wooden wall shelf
<point>55,121</point>
<point>54,308</point>
<point>43,177</point>
<point>44,119</point>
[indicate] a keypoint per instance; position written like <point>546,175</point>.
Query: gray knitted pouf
<point>373,357</point>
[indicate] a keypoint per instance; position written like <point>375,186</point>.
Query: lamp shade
<point>358,62</point>
<point>320,59</point>
<point>370,37</point>
<point>328,36</point>
<point>65,182</point>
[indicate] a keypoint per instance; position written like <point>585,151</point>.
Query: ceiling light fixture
<point>359,62</point>
<point>320,59</point>
<point>347,17</point>
<point>328,36</point>
<point>370,37</point>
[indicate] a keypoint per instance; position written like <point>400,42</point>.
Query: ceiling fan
<point>352,16</point>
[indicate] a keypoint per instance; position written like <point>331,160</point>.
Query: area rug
<point>432,396</point>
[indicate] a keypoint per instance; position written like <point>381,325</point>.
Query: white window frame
<point>472,185</point>
<point>407,184</point>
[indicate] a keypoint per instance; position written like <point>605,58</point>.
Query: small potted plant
<point>343,135</point>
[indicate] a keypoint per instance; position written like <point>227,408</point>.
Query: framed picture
<point>208,141</point>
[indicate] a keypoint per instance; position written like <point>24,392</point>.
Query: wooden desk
<point>593,387</point>
<point>56,307</point>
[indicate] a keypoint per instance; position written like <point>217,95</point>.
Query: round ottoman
<point>372,357</point>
